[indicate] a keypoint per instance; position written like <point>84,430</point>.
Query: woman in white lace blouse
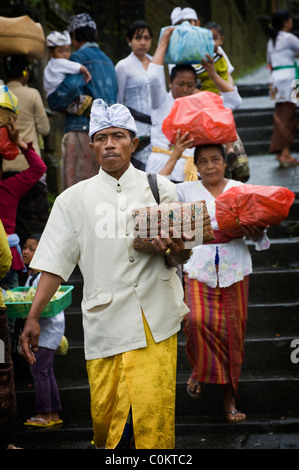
<point>216,288</point>
<point>131,75</point>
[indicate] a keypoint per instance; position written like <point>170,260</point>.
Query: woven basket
<point>22,36</point>
<point>190,218</point>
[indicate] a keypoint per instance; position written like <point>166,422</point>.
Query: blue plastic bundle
<point>188,44</point>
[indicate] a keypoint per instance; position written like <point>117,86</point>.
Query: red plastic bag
<point>250,205</point>
<point>203,116</point>
<point>8,149</point>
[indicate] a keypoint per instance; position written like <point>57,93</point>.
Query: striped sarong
<point>78,161</point>
<point>215,330</point>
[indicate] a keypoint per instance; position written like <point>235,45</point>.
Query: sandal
<point>194,393</point>
<point>288,163</point>
<point>232,414</point>
<point>39,422</point>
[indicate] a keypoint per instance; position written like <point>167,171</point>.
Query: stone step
<point>247,91</point>
<point>270,356</point>
<point>263,320</point>
<point>286,229</point>
<point>261,135</point>
<point>255,148</point>
<point>273,320</point>
<point>274,286</point>
<point>253,118</point>
<point>257,395</point>
<point>267,285</point>
<point>263,431</point>
<point>283,252</point>
<point>260,394</point>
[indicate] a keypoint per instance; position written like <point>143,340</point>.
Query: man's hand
<point>173,246</point>
<point>29,340</point>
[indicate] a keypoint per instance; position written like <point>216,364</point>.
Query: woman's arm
<point>121,76</point>
<point>181,144</point>
<point>23,181</point>
<point>156,74</point>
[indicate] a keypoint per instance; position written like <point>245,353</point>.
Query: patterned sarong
<point>284,127</point>
<point>215,330</point>
<point>143,380</point>
<point>78,161</point>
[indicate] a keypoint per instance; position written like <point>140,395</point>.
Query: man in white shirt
<point>132,301</point>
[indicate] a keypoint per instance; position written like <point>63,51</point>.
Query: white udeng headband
<point>103,116</point>
<point>55,39</point>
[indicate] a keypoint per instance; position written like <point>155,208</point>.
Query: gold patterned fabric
<point>144,380</point>
<point>190,168</point>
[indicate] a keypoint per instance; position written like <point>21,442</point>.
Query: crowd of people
<point>133,303</point>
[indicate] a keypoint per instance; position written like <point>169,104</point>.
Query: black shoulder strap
<point>152,179</point>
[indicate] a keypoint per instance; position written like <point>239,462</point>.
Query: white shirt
<point>283,53</point>
<point>118,281</point>
<point>51,328</point>
<point>234,257</point>
<point>55,72</point>
<point>133,88</point>
<point>133,92</point>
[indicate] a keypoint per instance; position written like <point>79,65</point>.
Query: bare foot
<point>55,417</point>
<point>194,388</point>
<point>229,406</point>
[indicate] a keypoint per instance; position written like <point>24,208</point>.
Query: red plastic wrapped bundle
<point>8,149</point>
<point>203,116</point>
<point>251,205</point>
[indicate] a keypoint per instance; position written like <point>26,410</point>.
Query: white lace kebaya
<point>234,257</point>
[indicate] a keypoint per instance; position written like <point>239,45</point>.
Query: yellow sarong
<point>144,379</point>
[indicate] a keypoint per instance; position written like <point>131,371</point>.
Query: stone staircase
<point>269,382</point>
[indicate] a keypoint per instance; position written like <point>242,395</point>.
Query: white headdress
<point>103,116</point>
<point>189,14</point>
<point>176,15</point>
<point>55,39</point>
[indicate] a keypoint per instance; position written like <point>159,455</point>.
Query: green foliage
<point>67,5</point>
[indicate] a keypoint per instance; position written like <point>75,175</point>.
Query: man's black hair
<point>85,34</point>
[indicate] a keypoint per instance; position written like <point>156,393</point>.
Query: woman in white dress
<point>282,49</point>
<point>131,75</point>
<point>216,288</point>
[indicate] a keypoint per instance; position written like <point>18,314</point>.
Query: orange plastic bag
<point>8,149</point>
<point>204,117</point>
<point>251,205</point>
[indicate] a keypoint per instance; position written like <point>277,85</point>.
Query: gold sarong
<point>144,380</point>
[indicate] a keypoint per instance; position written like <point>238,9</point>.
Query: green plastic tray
<point>21,309</point>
